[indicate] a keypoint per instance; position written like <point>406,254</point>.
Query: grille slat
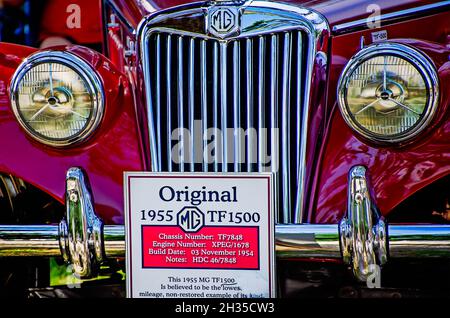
<point>216,103</point>
<point>204,103</point>
<point>236,105</point>
<point>169,102</point>
<point>285,129</point>
<point>180,102</point>
<point>299,120</point>
<point>253,86</point>
<point>224,104</point>
<point>249,65</point>
<point>262,140</point>
<point>299,103</point>
<point>191,105</point>
<point>158,99</point>
<point>274,111</point>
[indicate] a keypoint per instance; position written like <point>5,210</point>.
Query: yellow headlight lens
<point>387,94</point>
<point>56,100</point>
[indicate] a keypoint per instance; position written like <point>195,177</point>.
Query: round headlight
<point>388,92</point>
<point>57,98</point>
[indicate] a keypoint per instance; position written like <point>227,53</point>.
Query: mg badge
<point>190,219</point>
<point>223,21</point>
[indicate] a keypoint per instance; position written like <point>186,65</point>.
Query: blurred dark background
<point>44,23</point>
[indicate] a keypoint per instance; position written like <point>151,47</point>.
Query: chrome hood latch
<point>80,234</point>
<point>363,232</point>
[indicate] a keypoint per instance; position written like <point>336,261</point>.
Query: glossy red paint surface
<point>396,172</point>
<point>113,148</point>
<point>76,20</point>
<point>341,11</point>
<point>134,11</point>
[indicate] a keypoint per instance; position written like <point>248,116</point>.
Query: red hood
<point>336,11</point>
<point>341,11</point>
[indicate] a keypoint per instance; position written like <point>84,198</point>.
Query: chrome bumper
<point>44,240</point>
<point>362,239</point>
<point>295,242</point>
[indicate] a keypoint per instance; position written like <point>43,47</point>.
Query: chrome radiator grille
<point>249,88</point>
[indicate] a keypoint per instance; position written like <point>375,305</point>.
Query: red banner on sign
<point>215,247</point>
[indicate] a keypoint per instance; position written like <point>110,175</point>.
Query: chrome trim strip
<point>204,102</point>
<point>299,206</point>
<point>322,241</point>
<point>262,135</point>
<point>114,240</point>
<point>299,105</point>
<point>158,101</point>
<point>29,240</point>
<point>191,105</point>
<point>410,241</point>
<point>224,104</point>
<point>301,241</point>
<point>236,104</point>
<point>250,112</point>
<point>180,102</point>
<point>85,71</point>
<point>298,217</point>
<point>169,102</point>
<point>216,105</point>
<point>285,131</point>
<point>274,141</point>
<point>392,17</point>
<point>44,241</point>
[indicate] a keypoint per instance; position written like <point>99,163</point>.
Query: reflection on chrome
<point>362,231</point>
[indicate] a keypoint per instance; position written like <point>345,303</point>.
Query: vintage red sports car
<point>349,100</point>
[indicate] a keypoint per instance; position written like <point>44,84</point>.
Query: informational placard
<point>199,235</point>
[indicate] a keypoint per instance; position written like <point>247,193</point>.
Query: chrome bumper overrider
<point>362,239</point>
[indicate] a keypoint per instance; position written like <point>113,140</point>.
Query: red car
<point>354,95</point>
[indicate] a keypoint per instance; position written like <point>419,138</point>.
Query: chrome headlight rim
<point>84,70</point>
<point>423,64</point>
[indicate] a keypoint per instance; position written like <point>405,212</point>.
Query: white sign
<point>379,36</point>
<point>199,235</point>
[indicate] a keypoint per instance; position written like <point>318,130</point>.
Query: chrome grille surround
<point>292,33</point>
